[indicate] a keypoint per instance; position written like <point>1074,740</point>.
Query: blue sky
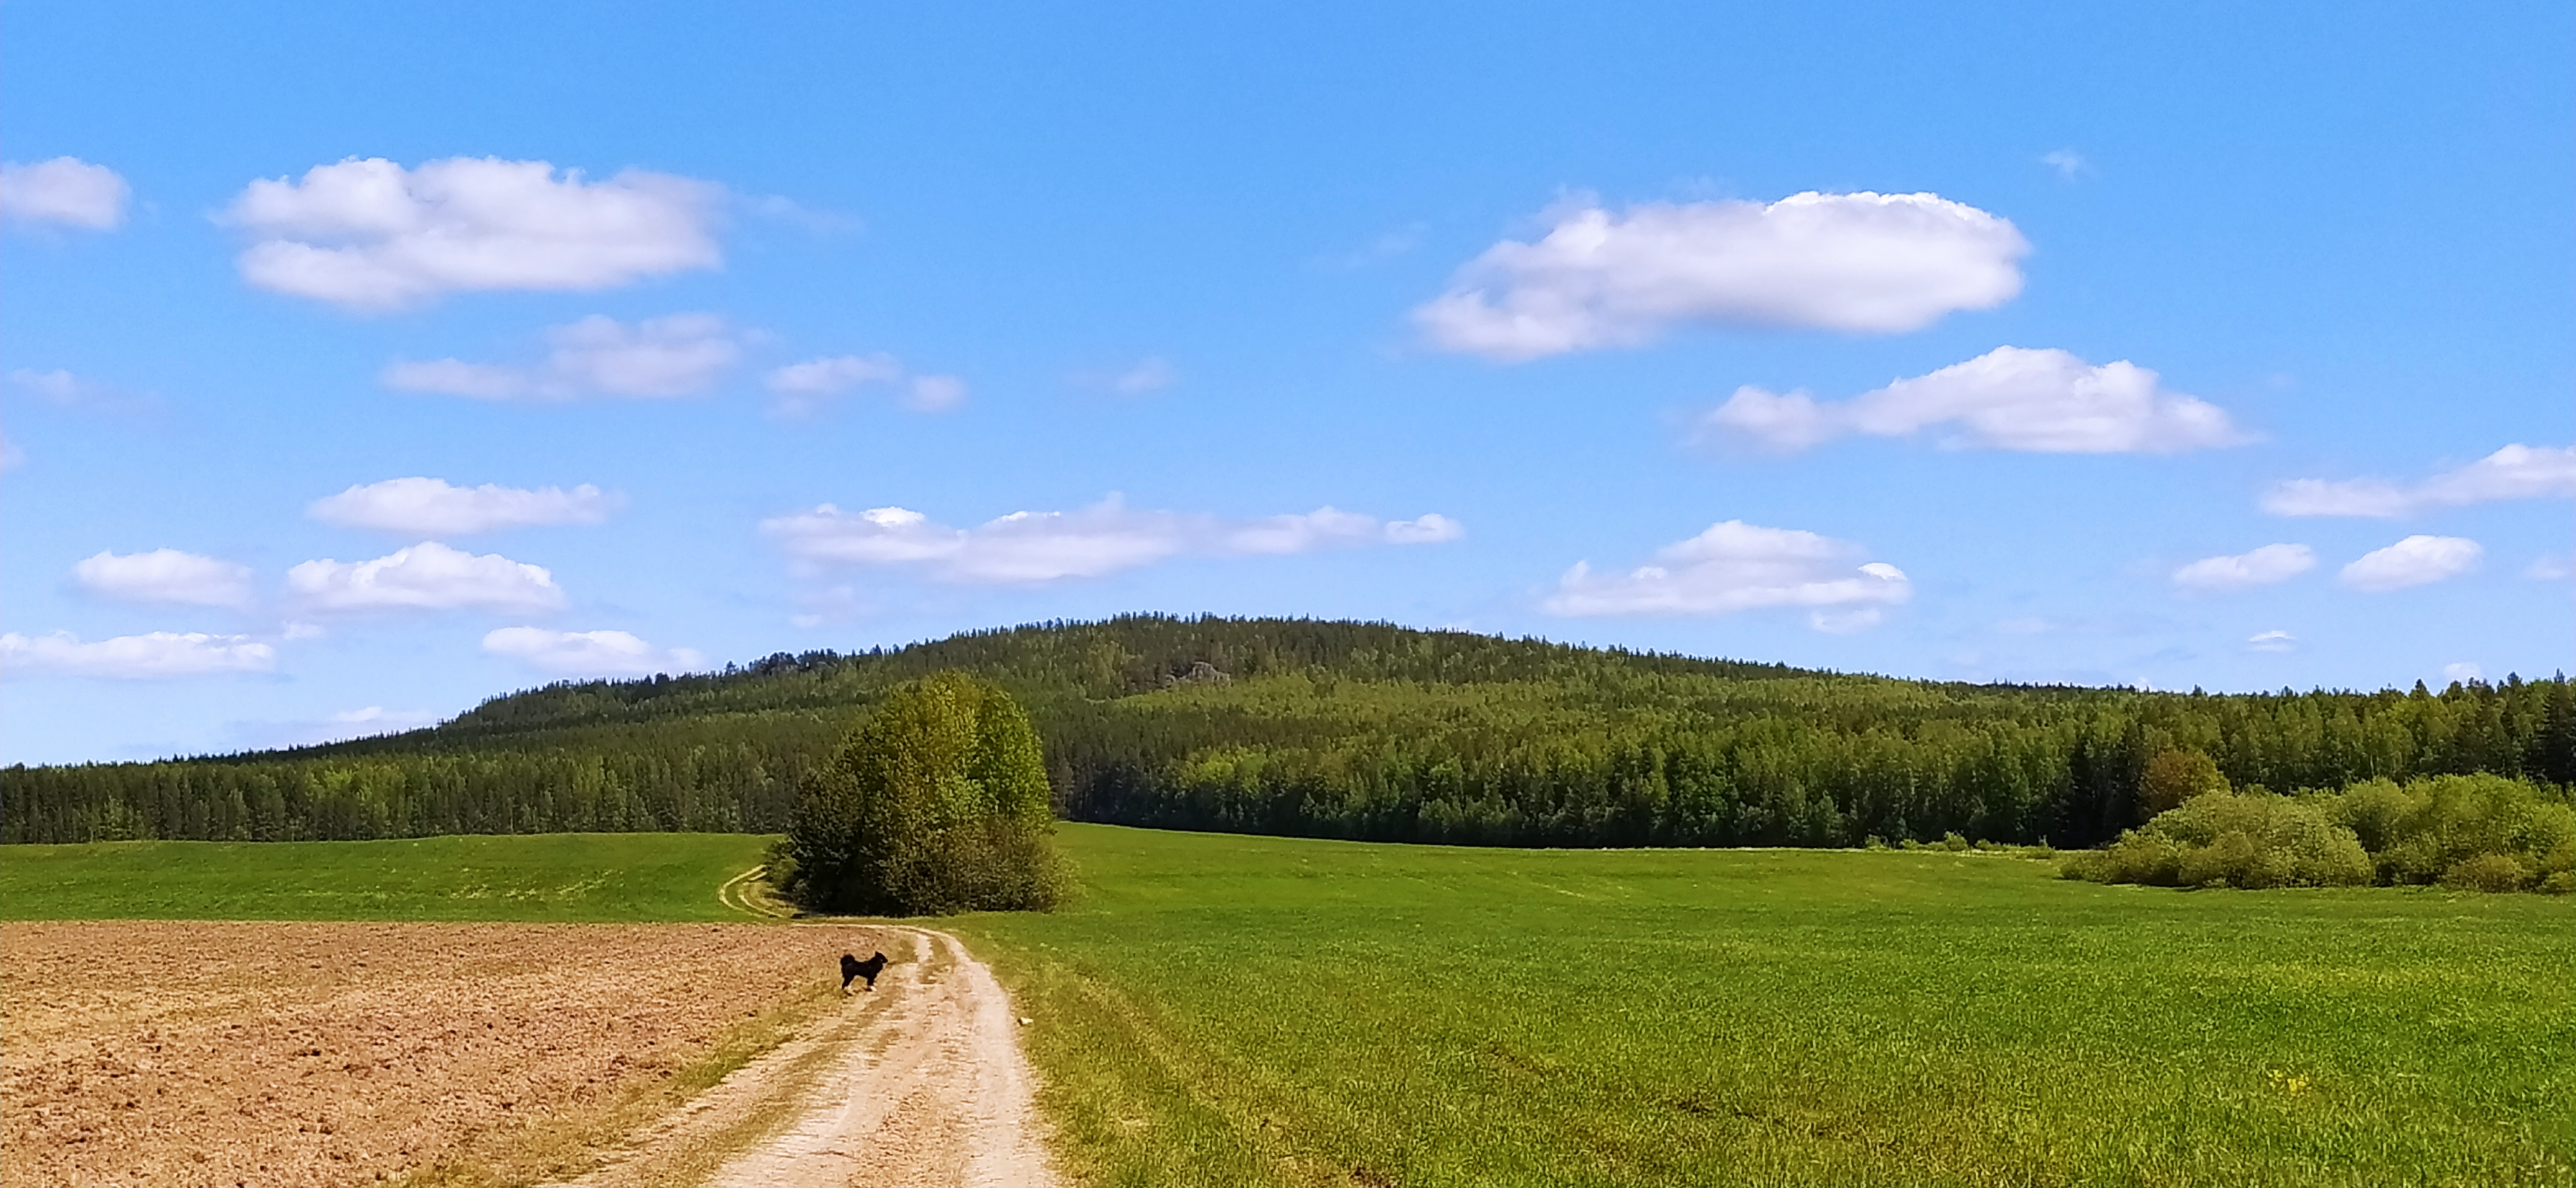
<point>357,370</point>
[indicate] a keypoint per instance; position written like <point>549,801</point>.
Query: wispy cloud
<point>2269,565</point>
<point>1035,547</point>
<point>1735,566</point>
<point>2514,472</point>
<point>156,655</point>
<point>679,355</point>
<point>2010,398</point>
<point>428,507</point>
<point>588,653</point>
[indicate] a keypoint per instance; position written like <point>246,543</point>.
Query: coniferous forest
<point>1339,729</point>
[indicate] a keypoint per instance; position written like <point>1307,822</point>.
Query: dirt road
<point>919,1082</point>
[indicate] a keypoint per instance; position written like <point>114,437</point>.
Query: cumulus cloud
<point>2272,641</point>
<point>2068,163</point>
<point>165,576</point>
<point>587,653</point>
<point>679,355</point>
<point>154,655</point>
<point>2244,571</point>
<point>373,235</point>
<point>1109,536</point>
<point>2414,561</point>
<point>2010,398</point>
<point>431,507</point>
<point>63,192</point>
<point>1735,566</point>
<point>1861,263</point>
<point>2463,671</point>
<point>2514,472</point>
<point>426,576</point>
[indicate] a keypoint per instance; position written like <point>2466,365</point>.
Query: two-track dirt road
<point>918,1082</point>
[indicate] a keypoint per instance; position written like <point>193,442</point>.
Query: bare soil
<point>328,1054</point>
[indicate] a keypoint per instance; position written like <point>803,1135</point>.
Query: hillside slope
<point>1339,729</point>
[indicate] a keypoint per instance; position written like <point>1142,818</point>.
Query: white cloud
<point>165,576</point>
<point>1109,536</point>
<point>2010,398</point>
<point>2068,163</point>
<point>2514,472</point>
<point>347,724</point>
<point>373,235</point>
<point>63,388</point>
<point>1151,374</point>
<point>2547,568</point>
<point>679,355</point>
<point>935,393</point>
<point>834,375</point>
<point>10,455</point>
<point>430,507</point>
<point>2244,571</point>
<point>149,656</point>
<point>2414,561</point>
<point>65,191</point>
<point>2462,671</point>
<point>426,576</point>
<point>803,388</point>
<point>2272,641</point>
<point>1432,528</point>
<point>1861,263</point>
<point>1735,566</point>
<point>588,653</point>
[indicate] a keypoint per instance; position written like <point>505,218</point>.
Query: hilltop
<point>1363,730</point>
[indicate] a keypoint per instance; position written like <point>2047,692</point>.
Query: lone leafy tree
<point>936,802</point>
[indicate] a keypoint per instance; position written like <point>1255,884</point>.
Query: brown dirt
<point>328,1054</point>
<point>920,1082</point>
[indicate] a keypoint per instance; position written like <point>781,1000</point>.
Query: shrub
<point>2431,826</point>
<point>2487,872</point>
<point>937,802</point>
<point>2223,839</point>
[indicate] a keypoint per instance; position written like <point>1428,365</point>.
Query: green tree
<point>2173,777</point>
<point>937,802</point>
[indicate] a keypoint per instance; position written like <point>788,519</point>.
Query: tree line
<point>1360,730</point>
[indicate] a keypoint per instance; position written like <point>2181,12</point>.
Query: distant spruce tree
<point>937,802</point>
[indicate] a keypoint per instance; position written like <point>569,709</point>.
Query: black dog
<point>852,969</point>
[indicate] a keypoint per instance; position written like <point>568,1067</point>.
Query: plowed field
<point>325,1054</point>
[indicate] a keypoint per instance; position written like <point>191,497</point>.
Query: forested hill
<point>1338,729</point>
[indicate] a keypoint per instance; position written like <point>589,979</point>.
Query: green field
<point>593,877</point>
<point>1246,1010</point>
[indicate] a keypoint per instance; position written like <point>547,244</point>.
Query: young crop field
<point>1220,1009</point>
<point>1245,1010</point>
<point>561,877</point>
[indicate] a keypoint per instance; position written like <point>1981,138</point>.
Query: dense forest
<point>1361,730</point>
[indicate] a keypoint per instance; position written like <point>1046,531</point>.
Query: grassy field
<point>564,877</point>
<point>1239,1010</point>
<point>1236,1010</point>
